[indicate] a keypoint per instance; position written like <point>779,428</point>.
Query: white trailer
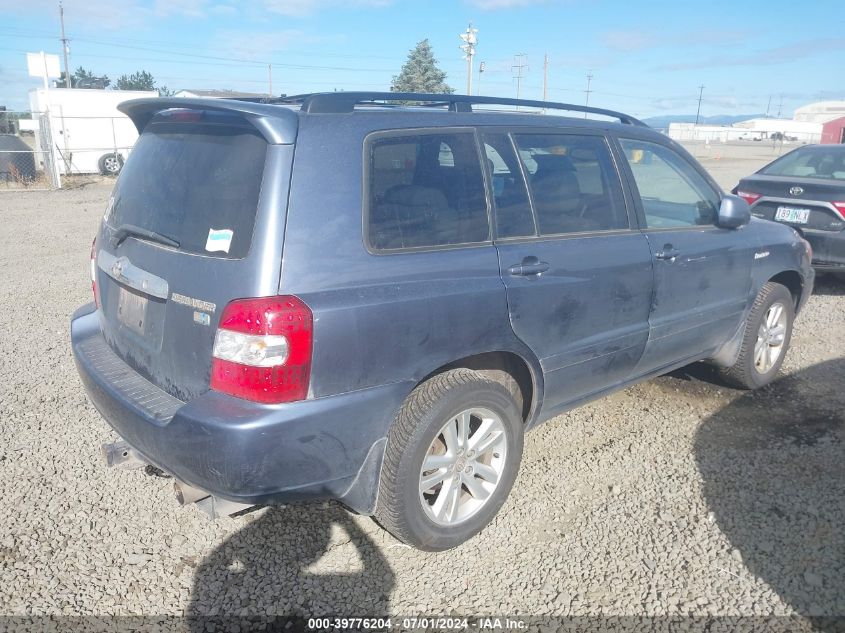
<point>89,134</point>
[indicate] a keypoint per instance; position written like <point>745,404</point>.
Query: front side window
<point>425,190</point>
<point>574,183</point>
<point>673,193</point>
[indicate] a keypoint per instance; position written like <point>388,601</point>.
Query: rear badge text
<point>197,304</point>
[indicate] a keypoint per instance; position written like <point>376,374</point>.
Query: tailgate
<point>195,221</point>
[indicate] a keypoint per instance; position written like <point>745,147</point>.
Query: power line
<point>546,77</point>
<point>520,66</point>
<point>588,91</point>
<point>700,94</point>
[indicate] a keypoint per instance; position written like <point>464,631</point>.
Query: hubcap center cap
<point>460,464</point>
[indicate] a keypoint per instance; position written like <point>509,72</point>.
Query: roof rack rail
<point>340,102</point>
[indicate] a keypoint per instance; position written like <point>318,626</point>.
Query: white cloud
<point>628,40</point>
<point>96,15</point>
<point>301,8</point>
<point>261,45</point>
<point>495,5</point>
<point>186,8</point>
<point>768,57</point>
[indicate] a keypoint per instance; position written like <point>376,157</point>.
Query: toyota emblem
<point>796,191</point>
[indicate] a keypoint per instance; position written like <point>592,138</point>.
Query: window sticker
<point>219,240</point>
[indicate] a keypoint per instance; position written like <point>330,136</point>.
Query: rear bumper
<point>828,250</point>
<point>238,450</point>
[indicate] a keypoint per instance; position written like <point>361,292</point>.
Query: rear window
<point>425,190</point>
<point>810,163</point>
<point>196,183</point>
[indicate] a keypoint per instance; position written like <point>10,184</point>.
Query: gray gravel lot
<point>678,496</point>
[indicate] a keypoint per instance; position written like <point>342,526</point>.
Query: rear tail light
<point>262,350</point>
<point>840,209</point>
<point>749,196</point>
<point>94,273</point>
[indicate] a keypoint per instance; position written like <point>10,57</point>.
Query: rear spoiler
<point>278,124</point>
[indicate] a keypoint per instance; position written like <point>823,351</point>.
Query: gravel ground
<point>675,497</point>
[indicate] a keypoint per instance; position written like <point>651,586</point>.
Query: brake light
<point>183,115</point>
<point>840,209</point>
<point>262,350</point>
<point>94,273</point>
<point>749,196</point>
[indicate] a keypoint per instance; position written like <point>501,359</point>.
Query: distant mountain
<point>662,122</point>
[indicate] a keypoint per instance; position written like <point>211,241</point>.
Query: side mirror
<point>734,212</point>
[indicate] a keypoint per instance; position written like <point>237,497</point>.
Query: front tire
<point>768,331</point>
<point>452,455</point>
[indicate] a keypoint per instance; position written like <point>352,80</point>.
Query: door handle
<point>669,253</point>
<point>529,266</point>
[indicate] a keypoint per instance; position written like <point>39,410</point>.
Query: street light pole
<point>68,83</point>
<point>470,40</point>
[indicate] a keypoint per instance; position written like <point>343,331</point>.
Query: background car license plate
<point>791,214</point>
<point>132,310</point>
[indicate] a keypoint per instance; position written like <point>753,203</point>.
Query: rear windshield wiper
<point>127,230</point>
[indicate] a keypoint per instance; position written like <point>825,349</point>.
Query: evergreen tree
<point>420,73</point>
<point>82,78</point>
<point>141,80</point>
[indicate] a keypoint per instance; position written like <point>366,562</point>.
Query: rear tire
<point>110,164</point>
<point>468,431</point>
<point>768,331</point>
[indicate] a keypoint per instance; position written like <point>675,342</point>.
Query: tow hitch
<point>120,455</point>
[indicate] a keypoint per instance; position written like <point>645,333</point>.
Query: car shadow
<point>296,561</point>
<point>773,474</point>
<point>699,372</point>
<point>829,285</point>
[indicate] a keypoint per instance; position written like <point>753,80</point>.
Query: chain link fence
<point>44,150</point>
<point>26,162</point>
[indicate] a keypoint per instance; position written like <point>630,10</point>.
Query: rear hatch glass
<point>194,182</point>
<point>163,273</point>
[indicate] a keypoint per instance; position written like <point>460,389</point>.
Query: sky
<point>646,58</point>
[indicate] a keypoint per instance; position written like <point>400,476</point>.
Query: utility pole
<point>546,77</point>
<point>68,82</point>
<point>768,106</point>
<point>482,66</point>
<point>270,78</point>
<point>588,91</point>
<point>468,47</point>
<point>520,65</point>
<point>780,105</point>
<point>698,112</point>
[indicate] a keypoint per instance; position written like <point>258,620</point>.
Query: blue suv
<point>371,297</point>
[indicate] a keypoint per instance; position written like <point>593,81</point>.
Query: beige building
<point>820,112</point>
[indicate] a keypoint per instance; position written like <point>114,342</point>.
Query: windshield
<point>810,163</point>
<point>195,183</point>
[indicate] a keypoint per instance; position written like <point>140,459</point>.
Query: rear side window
<point>425,190</point>
<point>573,182</point>
<point>196,183</point>
<point>513,210</point>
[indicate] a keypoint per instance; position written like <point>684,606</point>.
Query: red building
<point>834,131</point>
